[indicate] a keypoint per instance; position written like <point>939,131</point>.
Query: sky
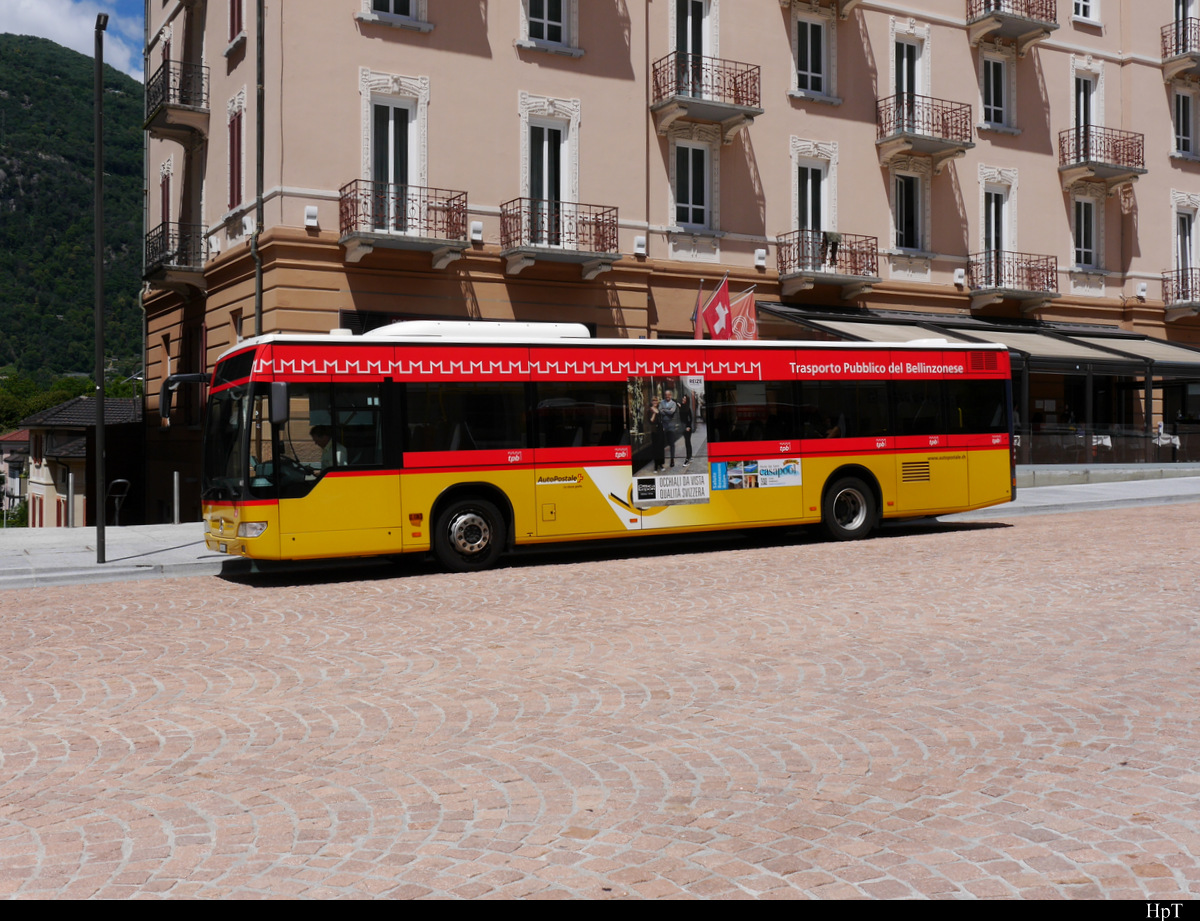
<point>73,23</point>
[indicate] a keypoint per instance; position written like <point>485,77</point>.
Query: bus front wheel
<point>848,511</point>
<point>469,535</point>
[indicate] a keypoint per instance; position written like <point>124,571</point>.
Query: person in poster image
<point>654,423</point>
<point>685,420</point>
<point>669,413</point>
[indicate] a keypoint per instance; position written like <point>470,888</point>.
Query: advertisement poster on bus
<point>669,437</point>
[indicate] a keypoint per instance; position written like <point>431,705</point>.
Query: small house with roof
<point>62,452</point>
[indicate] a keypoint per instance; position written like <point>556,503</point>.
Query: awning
<point>1047,347</point>
<point>1044,348</point>
<point>1155,350</point>
<point>883,332</point>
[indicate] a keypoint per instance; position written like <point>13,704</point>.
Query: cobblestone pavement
<point>948,711</point>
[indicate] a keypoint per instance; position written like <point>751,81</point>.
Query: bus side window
<point>357,423</point>
<point>920,409</point>
<point>849,409</point>
<point>977,407</point>
<point>581,415</point>
<point>465,417</point>
<point>752,410</point>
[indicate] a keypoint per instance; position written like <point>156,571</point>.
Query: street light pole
<point>99,503</point>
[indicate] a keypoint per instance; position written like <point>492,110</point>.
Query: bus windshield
<point>224,447</point>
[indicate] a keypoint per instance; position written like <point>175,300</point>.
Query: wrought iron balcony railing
<point>712,79</point>
<point>1181,37</point>
<point>1001,269</point>
<point>175,246</point>
<point>176,83</point>
<point>385,207</point>
<point>1093,144</point>
<point>1036,10</point>
<point>825,252</point>
<point>1181,286</point>
<point>908,113</point>
<point>565,225</point>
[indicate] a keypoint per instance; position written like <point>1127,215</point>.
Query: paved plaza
<point>993,708</point>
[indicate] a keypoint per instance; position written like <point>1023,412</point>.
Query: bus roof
<point>575,334</point>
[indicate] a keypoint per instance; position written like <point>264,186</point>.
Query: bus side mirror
<point>169,386</point>
<point>280,402</point>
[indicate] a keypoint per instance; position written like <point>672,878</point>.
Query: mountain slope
<point>46,220</point>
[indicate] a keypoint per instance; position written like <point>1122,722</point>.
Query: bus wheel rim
<point>470,533</point>
<point>850,509</point>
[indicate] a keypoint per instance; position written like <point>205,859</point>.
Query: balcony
<point>1094,154</point>
<point>909,124</point>
<point>1181,293</point>
<point>1022,22</point>
<point>539,229</point>
<point>389,216</point>
<point>175,256</point>
<point>998,275</point>
<point>697,88</point>
<point>177,102</point>
<point>807,258</point>
<point>1181,49</point>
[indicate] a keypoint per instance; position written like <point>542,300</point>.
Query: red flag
<point>744,315</point>
<point>697,323</point>
<point>716,311</point>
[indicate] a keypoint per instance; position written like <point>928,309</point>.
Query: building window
<point>908,73</point>
<point>691,27</point>
<point>390,142</point>
<point>692,181</point>
<point>810,201</point>
<point>546,20</point>
<point>995,92</point>
<point>1184,124</point>
<point>997,208</point>
<point>400,14</point>
<point>546,154</point>
<point>1086,235</point>
<point>237,111</point>
<point>549,148</point>
<point>164,189</point>
<point>811,66</point>
<point>814,193</point>
<point>1185,232</point>
<point>236,22</point>
<point>1088,10</point>
<point>550,25</point>
<point>910,64</point>
<point>907,205</point>
<point>395,128</point>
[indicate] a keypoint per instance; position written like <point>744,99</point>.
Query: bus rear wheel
<point>469,535</point>
<point>848,511</point>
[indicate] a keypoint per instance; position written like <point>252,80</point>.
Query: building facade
<point>1029,163</point>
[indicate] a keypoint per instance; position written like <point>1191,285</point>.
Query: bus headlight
<point>251,528</point>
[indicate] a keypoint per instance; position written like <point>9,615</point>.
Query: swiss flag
<point>717,313</point>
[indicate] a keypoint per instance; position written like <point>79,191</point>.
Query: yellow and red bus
<point>469,438</point>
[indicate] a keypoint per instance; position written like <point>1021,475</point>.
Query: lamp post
<point>99,503</point>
